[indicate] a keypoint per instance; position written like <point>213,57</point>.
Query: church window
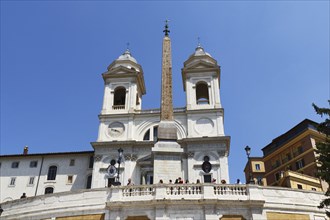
<point>52,173</point>
<point>155,133</point>
<point>91,162</point>
<point>150,178</point>
<point>257,166</point>
<point>207,178</point>
<point>49,190</point>
<point>119,97</point>
<point>151,134</point>
<point>89,182</point>
<point>202,93</point>
<point>146,136</point>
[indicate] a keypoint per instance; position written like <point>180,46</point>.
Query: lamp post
<point>120,158</point>
<point>248,151</point>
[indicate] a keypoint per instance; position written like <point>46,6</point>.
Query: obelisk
<point>166,129</point>
<point>167,152</point>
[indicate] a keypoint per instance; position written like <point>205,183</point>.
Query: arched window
<point>151,134</point>
<point>52,173</point>
<point>49,190</point>
<point>146,136</point>
<point>89,182</point>
<point>119,97</point>
<point>155,133</point>
<point>202,93</point>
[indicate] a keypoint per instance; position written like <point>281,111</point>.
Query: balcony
<point>118,107</point>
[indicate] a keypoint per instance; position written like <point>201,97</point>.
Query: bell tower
<point>123,90</point>
<point>124,85</point>
<point>201,82</point>
<point>201,78</point>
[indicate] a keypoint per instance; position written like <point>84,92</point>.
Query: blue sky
<point>274,58</point>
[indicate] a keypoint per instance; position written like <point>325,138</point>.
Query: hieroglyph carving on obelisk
<point>166,98</point>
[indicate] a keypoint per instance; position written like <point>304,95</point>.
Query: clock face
<point>116,129</point>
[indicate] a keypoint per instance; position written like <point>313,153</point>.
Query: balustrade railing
<point>179,191</point>
<point>118,107</point>
<point>131,191</point>
<point>230,190</point>
<point>186,189</point>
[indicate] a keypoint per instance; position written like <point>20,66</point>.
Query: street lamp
<point>120,158</point>
<point>248,151</point>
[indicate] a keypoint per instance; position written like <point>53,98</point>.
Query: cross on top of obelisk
<point>166,31</point>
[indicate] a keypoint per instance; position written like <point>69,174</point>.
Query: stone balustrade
<point>118,202</point>
<point>178,191</point>
<point>118,107</point>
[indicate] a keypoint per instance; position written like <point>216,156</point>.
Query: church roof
<point>127,56</point>
<point>199,51</point>
<point>50,153</point>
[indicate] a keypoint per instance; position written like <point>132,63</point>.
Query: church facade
<point>167,163</point>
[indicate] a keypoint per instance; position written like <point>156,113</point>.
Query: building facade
<point>290,159</point>
<point>177,159</point>
<point>255,171</point>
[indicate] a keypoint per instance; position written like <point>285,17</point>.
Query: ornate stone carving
<point>98,157</point>
<point>130,157</point>
<point>222,153</point>
<point>166,113</point>
<point>190,154</point>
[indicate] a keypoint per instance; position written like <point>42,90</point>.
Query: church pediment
<point>201,64</point>
<point>121,70</point>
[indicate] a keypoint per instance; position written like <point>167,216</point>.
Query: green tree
<point>323,149</point>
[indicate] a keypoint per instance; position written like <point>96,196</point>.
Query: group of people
<point>179,180</point>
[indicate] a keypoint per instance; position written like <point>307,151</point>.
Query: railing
<point>190,189</point>
<point>203,102</point>
<point>179,191</point>
<point>157,110</point>
<point>230,190</point>
<point>131,191</point>
<point>118,107</point>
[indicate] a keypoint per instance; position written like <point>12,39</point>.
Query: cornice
<point>293,141</point>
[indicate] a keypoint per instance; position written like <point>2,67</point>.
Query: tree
<point>323,149</point>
